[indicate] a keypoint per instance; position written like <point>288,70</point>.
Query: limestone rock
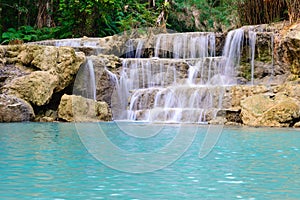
<point>77,108</point>
<point>2,58</point>
<point>10,72</point>
<point>13,109</point>
<point>43,58</point>
<point>62,62</point>
<point>281,114</point>
<point>36,87</point>
<point>240,92</point>
<point>46,116</point>
<point>68,63</point>
<point>290,48</point>
<point>297,125</point>
<point>264,110</point>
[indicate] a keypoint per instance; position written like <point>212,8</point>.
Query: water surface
<point>48,161</point>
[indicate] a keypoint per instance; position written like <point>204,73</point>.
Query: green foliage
<point>97,18</point>
<point>202,15</point>
<point>103,17</point>
<point>28,34</point>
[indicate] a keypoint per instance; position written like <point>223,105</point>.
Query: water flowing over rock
<point>188,88</point>
<point>13,109</point>
<point>248,76</point>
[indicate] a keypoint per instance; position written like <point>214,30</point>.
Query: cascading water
<point>90,69</point>
<point>180,45</point>
<point>86,79</point>
<point>189,88</point>
<point>184,81</point>
<point>139,49</point>
<point>232,54</point>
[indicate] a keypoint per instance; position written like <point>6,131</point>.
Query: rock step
<point>161,72</point>
<point>186,115</point>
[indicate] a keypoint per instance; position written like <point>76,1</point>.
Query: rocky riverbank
<point>37,81</point>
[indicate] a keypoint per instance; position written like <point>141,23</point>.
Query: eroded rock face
<point>290,48</point>
<point>77,108</point>
<point>36,72</point>
<point>13,109</point>
<point>265,110</point>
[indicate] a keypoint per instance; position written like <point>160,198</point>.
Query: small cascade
<point>134,48</point>
<point>67,43</point>
<point>86,80</point>
<point>232,54</point>
<point>138,74</point>
<point>77,43</point>
<point>180,45</point>
<point>90,69</point>
<point>129,49</point>
<point>139,49</point>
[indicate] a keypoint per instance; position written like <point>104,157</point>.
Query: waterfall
<point>180,45</point>
<point>67,43</point>
<point>188,88</point>
<point>139,49</point>
<point>92,80</point>
<point>129,49</point>
<point>232,54</point>
<point>85,81</point>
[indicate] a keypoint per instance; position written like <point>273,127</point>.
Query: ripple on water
<point>115,195</point>
<point>230,177</point>
<point>232,182</point>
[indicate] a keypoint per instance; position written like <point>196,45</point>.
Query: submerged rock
<point>80,109</point>
<point>14,109</point>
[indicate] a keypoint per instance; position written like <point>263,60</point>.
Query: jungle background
<point>33,20</point>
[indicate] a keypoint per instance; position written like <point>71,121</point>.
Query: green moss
<point>295,69</point>
<point>245,71</point>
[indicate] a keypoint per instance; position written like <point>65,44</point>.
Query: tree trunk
<point>161,18</point>
<point>151,3</point>
<point>44,17</point>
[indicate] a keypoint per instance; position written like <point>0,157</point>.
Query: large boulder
<point>13,109</point>
<point>266,110</point>
<point>36,87</point>
<point>80,109</point>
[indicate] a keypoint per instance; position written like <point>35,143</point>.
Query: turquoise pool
<point>49,161</point>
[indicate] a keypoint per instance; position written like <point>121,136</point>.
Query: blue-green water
<point>48,161</point>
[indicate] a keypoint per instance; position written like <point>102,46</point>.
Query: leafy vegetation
<point>31,20</point>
